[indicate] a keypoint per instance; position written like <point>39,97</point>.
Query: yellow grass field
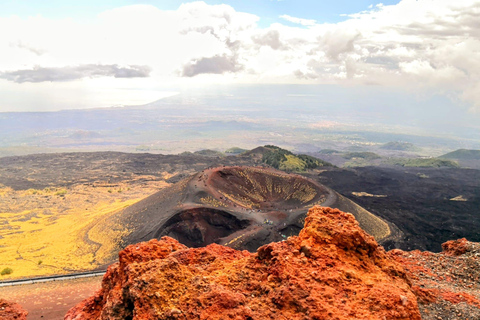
<point>63,230</point>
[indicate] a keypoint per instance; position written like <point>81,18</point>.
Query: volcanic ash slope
<point>240,207</point>
<point>332,270</point>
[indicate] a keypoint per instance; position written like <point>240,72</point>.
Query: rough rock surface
<point>332,270</point>
<point>10,311</point>
<point>447,284</point>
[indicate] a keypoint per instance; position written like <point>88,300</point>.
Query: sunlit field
<point>63,230</point>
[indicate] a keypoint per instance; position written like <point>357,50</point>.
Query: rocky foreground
<point>11,311</point>
<point>332,270</point>
<point>447,284</point>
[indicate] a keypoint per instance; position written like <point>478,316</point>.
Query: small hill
<point>400,146</point>
<point>209,153</point>
<point>328,151</point>
<point>285,160</point>
<point>423,162</point>
<point>235,151</point>
<point>462,154</point>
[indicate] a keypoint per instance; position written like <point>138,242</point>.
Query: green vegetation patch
<point>61,192</point>
<point>6,271</point>
<point>361,155</point>
<point>424,163</point>
<point>292,163</point>
<point>285,160</point>
<point>209,153</point>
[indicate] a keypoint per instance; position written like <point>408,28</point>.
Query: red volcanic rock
<point>332,270</point>
<point>446,284</point>
<point>455,247</point>
<point>10,311</point>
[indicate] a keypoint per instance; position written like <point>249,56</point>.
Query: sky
<point>84,54</point>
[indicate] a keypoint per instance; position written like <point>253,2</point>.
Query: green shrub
<point>6,271</point>
<point>61,192</point>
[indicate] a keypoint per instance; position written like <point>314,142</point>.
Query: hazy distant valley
<point>240,116</point>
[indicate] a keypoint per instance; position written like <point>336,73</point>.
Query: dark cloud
<point>271,39</point>
<point>218,64</point>
<point>40,74</point>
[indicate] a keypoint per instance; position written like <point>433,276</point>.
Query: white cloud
<point>412,45</point>
<point>303,22</point>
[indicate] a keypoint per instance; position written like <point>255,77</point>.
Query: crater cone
<point>240,207</point>
<point>196,227</point>
<point>265,189</point>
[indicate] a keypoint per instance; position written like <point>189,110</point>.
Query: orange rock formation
<point>11,311</point>
<point>332,270</point>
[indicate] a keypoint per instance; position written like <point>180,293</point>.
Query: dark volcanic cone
<point>241,207</point>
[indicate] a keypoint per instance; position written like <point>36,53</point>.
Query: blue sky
<point>268,10</point>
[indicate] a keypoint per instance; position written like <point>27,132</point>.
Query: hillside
<point>462,154</point>
<point>419,201</point>
<point>285,160</point>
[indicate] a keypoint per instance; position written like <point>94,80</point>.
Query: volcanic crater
<point>240,207</point>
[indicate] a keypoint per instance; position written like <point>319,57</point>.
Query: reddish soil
<point>447,283</point>
<point>332,270</point>
<point>51,300</point>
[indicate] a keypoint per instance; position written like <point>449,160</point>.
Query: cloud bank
<point>414,45</point>
<point>39,74</point>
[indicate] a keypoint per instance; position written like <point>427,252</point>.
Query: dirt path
<point>51,300</point>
